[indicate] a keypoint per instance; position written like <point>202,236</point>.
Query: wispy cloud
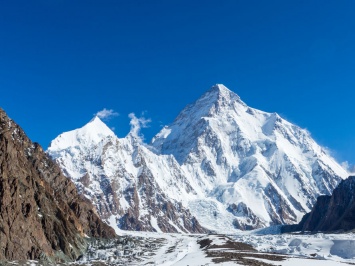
<point>106,114</point>
<point>138,123</point>
<point>349,168</point>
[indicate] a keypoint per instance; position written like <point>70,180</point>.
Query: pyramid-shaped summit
<point>215,99</point>
<point>90,134</point>
<point>227,164</point>
<point>222,91</point>
<point>252,165</point>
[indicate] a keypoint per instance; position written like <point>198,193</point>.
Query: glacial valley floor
<point>143,248</point>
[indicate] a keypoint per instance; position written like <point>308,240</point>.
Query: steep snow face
<point>129,185</point>
<point>91,134</point>
<point>254,168</point>
<point>71,146</point>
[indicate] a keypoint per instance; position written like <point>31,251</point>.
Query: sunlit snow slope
<point>260,168</point>
<point>231,166</point>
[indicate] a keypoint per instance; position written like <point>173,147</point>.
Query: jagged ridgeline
<point>42,216</point>
<point>221,166</point>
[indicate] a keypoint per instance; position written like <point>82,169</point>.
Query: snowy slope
<point>128,183</point>
<point>227,164</point>
<point>260,168</point>
<point>326,247</point>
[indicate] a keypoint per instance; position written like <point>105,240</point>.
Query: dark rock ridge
<point>42,216</point>
<point>330,213</point>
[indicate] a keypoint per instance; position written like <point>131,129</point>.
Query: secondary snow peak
<point>93,132</point>
<point>95,119</point>
<point>97,124</point>
<point>131,186</point>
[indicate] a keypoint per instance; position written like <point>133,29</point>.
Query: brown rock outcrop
<point>335,213</point>
<point>42,216</point>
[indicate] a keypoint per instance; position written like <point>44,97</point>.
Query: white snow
<point>154,223</point>
<point>333,247</point>
<point>235,154</point>
<point>307,250</point>
<point>93,132</point>
<point>221,159</point>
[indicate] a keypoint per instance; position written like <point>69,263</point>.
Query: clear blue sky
<point>62,61</point>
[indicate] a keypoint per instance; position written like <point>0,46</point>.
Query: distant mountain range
<point>220,166</point>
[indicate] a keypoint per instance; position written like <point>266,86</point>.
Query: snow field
<point>330,247</point>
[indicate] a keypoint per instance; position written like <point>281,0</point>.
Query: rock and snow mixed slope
<point>231,166</point>
<point>330,213</point>
<point>260,168</point>
<point>126,181</point>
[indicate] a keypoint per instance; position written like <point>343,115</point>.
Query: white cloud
<point>349,168</point>
<point>136,125</point>
<point>106,114</point>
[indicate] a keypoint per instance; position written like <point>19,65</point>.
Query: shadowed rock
<point>42,216</point>
<point>330,213</point>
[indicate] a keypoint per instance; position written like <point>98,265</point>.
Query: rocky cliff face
<point>42,216</point>
<point>331,213</point>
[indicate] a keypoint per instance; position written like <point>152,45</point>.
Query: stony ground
<point>181,250</point>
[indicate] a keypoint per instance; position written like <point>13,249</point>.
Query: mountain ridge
<point>115,173</point>
<point>245,140</point>
<point>237,167</point>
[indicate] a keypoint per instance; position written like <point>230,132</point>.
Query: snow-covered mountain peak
<point>220,88</point>
<point>222,91</point>
<point>231,148</point>
<point>232,166</point>
<point>218,98</point>
<point>92,133</point>
<point>97,127</point>
<point>215,102</point>
<point>127,182</point>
